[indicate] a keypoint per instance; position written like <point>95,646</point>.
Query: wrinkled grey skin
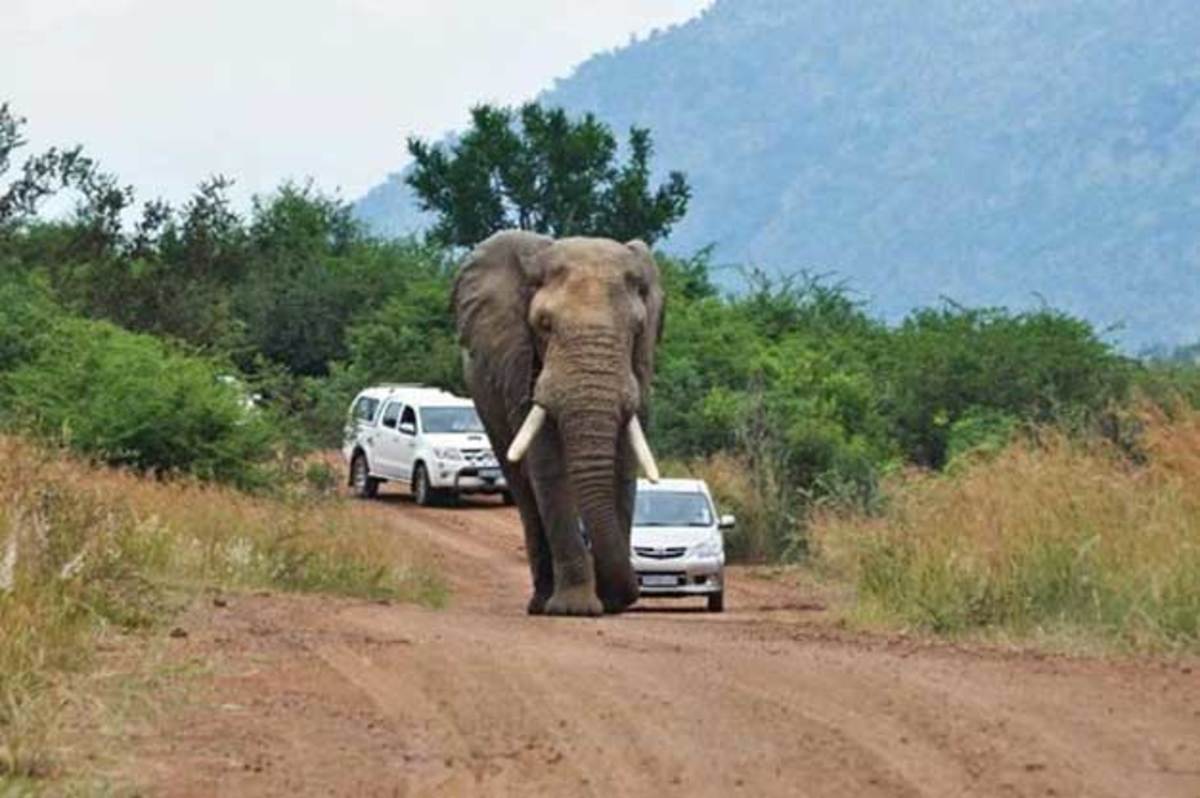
<point>571,325</point>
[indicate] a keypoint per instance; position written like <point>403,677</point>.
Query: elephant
<point>558,339</point>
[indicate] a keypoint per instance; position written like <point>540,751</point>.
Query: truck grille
<point>481,458</point>
<point>669,553</point>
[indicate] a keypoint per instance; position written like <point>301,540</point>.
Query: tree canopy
<point>538,169</point>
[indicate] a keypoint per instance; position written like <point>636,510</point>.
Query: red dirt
<point>313,696</point>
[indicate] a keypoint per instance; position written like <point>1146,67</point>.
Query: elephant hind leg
<point>537,549</point>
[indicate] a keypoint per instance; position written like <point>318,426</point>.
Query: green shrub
<point>27,316</point>
<point>132,400</point>
<point>1167,384</point>
<point>943,364</point>
<point>980,432</point>
<point>411,338</point>
<point>320,478</point>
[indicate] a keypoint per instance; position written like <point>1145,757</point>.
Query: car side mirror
<point>727,522</point>
<point>408,428</point>
<point>390,423</point>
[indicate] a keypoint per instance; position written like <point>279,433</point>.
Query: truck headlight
<point>448,453</point>
<point>713,547</point>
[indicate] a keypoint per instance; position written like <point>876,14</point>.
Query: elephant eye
<point>636,283</point>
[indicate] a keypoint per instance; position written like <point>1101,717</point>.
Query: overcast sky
<point>167,92</point>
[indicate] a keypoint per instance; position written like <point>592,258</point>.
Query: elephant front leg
<point>619,589</point>
<point>573,571</point>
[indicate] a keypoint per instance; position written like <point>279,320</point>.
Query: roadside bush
<point>320,478</point>
<point>787,368</point>
<point>1051,536</point>
<point>27,316</point>
<point>132,400</point>
<point>1169,384</point>
<point>980,432</point>
<point>944,364</point>
<point>411,338</point>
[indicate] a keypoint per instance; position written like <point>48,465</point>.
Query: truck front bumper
<point>468,479</point>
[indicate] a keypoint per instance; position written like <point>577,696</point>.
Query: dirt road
<point>318,697</point>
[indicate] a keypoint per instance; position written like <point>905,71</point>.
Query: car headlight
<point>447,454</point>
<point>713,547</point>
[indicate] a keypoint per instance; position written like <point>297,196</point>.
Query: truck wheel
<point>507,498</point>
<point>422,491</point>
<point>364,485</point>
<point>716,602</point>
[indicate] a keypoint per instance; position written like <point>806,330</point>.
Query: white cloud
<point>166,92</point>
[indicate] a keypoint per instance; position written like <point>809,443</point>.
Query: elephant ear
<point>643,359</point>
<point>490,301</point>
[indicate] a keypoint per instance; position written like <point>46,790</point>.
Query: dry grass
<point>83,549</point>
<point>1054,539</point>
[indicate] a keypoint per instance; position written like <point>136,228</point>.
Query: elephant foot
<point>618,598</point>
<point>537,604</point>
<point>578,601</point>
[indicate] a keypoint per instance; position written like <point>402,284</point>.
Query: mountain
<point>999,152</point>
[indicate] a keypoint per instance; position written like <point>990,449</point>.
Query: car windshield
<point>671,508</point>
<point>450,419</point>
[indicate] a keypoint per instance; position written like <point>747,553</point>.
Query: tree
<point>44,174</point>
<point>554,175</point>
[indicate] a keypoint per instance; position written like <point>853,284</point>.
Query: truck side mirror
<point>727,522</point>
<point>408,428</point>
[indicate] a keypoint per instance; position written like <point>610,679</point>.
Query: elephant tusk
<point>525,435</point>
<point>637,439</point>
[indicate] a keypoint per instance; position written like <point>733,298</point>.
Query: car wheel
<point>507,498</point>
<point>365,486</point>
<point>716,602</point>
<point>421,490</point>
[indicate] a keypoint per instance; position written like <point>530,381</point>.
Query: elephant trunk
<point>590,439</point>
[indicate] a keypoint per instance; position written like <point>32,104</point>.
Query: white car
<point>426,437</point>
<point>677,545</point>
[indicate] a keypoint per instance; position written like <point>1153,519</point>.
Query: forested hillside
<point>988,151</point>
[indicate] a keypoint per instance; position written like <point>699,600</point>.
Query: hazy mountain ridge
<point>993,152</point>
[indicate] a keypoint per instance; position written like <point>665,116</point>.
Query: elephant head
<point>562,334</point>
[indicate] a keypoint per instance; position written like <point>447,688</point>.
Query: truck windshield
<point>671,508</point>
<point>450,419</point>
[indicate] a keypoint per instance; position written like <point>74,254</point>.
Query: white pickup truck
<point>425,437</point>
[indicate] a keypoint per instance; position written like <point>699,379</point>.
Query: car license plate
<point>658,580</point>
<point>489,473</point>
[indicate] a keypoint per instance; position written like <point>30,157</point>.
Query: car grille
<point>669,553</point>
<point>482,458</point>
